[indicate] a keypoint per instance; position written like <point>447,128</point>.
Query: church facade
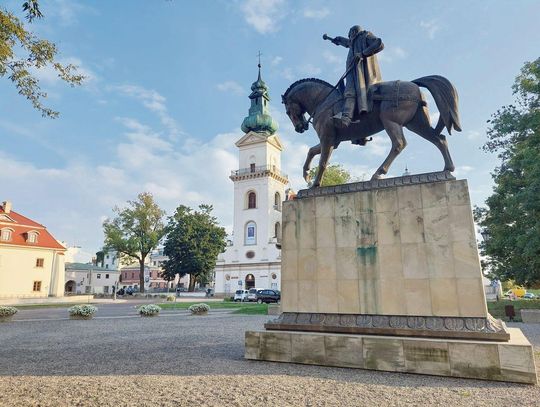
<point>252,259</point>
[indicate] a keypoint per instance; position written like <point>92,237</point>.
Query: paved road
<point>194,360</point>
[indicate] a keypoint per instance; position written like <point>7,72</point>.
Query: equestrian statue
<point>365,105</point>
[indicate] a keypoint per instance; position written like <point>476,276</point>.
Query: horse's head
<point>296,113</point>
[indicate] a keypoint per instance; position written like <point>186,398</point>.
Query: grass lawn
<point>496,308</point>
<point>239,307</point>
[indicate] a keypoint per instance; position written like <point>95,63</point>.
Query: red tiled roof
<point>21,225</point>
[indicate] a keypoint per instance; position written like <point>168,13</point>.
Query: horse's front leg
<point>395,131</point>
<point>326,152</point>
<point>313,151</point>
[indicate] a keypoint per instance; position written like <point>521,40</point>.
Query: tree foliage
<point>511,219</point>
<point>21,52</point>
<point>333,175</point>
<point>194,240</point>
<point>135,231</point>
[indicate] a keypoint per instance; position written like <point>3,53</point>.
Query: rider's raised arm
<point>374,45</point>
<point>344,42</point>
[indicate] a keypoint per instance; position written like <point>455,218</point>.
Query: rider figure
<point>363,71</point>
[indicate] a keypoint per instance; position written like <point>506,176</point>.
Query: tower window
<point>252,167</point>
<point>277,231</point>
<point>277,201</point>
<point>252,200</point>
<point>251,233</point>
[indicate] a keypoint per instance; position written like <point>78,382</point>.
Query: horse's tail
<point>446,98</point>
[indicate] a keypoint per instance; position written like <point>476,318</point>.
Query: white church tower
<point>252,259</point>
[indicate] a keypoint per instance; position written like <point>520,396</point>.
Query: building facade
<point>90,279</point>
<point>252,259</point>
<point>31,259</point>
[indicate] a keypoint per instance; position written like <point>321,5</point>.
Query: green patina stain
<point>367,254</point>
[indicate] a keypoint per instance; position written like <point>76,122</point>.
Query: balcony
<point>258,171</point>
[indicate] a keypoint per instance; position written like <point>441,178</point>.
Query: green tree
<point>100,258</point>
<point>334,175</point>
<point>21,52</point>
<point>135,231</point>
<point>511,218</point>
<point>193,242</point>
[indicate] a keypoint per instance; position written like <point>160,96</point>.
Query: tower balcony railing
<point>259,169</point>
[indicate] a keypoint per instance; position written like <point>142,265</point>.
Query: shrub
<point>198,309</point>
<point>162,296</point>
<point>6,311</point>
<point>170,298</point>
<point>86,310</point>
<point>149,310</point>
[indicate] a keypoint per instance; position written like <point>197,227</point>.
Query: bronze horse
<point>395,105</point>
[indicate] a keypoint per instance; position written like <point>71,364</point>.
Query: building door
<point>250,281</point>
<point>70,287</point>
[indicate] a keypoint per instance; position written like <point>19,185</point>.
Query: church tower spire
<point>259,119</point>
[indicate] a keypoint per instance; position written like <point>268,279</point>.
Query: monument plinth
<point>385,275</point>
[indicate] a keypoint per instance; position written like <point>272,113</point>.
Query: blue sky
<point>167,91</point>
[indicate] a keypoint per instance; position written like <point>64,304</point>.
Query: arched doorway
<point>69,288</point>
<point>250,281</point>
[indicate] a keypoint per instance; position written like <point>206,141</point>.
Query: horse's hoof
<point>450,169</point>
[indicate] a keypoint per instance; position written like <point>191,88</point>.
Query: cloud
<point>462,170</point>
<point>67,11</point>
<point>232,87</point>
<point>391,53</point>
<point>264,15</point>
<point>154,102</point>
<point>431,27</point>
<point>47,75</point>
<point>332,58</point>
<point>473,135</point>
<point>309,69</point>
<point>276,60</point>
<point>316,14</point>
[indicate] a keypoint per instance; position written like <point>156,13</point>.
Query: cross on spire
<point>259,55</point>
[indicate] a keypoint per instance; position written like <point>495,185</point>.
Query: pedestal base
<point>511,361</point>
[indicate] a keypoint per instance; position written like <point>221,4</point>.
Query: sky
<point>167,85</point>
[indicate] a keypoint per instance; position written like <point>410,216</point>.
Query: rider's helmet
<point>355,29</point>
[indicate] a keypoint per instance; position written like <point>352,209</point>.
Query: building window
<point>106,266</point>
<point>106,276</point>
<point>277,201</point>
<point>40,262</point>
<point>252,200</point>
<point>132,274</point>
<point>6,235</point>
<point>98,276</point>
<point>250,254</point>
<point>251,233</point>
<point>32,237</point>
<point>37,286</point>
<point>252,167</point>
<point>277,230</point>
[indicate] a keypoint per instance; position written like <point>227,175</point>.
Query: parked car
<point>121,292</point>
<point>130,291</point>
<point>529,296</point>
<point>241,295</point>
<point>268,296</point>
<point>252,295</point>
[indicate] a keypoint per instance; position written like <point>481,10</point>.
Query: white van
<point>241,295</point>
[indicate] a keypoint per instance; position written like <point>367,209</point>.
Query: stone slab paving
<point>187,360</point>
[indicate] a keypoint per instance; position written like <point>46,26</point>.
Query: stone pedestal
<point>511,361</point>
<point>394,257</point>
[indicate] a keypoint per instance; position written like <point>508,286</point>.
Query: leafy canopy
<point>136,230</point>
<point>511,219</point>
<point>21,52</point>
<point>333,175</point>
<point>194,240</point>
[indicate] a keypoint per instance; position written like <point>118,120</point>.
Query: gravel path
<point>184,360</point>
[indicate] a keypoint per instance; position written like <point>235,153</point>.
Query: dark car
<point>268,296</point>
